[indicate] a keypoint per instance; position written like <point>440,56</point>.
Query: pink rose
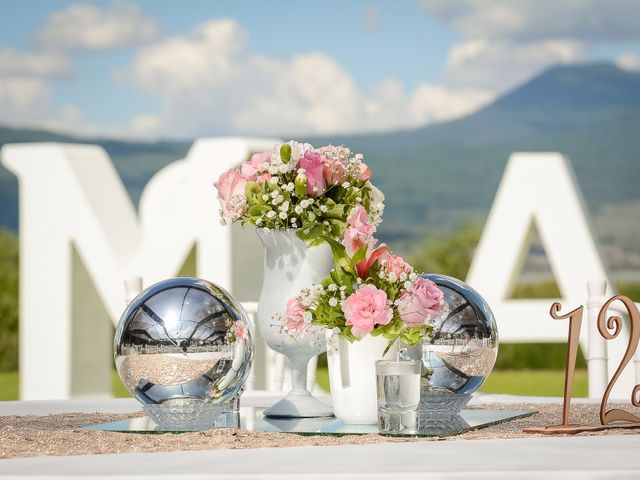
<point>335,172</point>
<point>366,308</point>
<point>365,172</point>
<point>420,303</point>
<point>251,168</point>
<point>295,316</point>
<point>314,171</point>
<point>396,265</point>
<point>359,231</point>
<point>230,188</point>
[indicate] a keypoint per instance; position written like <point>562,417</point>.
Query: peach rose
<point>230,188</point>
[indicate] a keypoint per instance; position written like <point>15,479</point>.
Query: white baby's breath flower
<point>346,185</point>
<point>283,215</point>
<point>275,193</point>
<point>278,199</point>
<point>333,301</point>
<point>407,284</point>
<point>298,209</point>
<point>324,208</point>
<point>274,180</point>
<point>265,197</point>
<point>294,219</point>
<point>392,277</point>
<point>258,221</point>
<point>266,230</point>
<point>271,214</point>
<point>273,169</point>
<point>413,276</point>
<point>332,287</point>
<point>381,274</point>
<point>307,317</point>
<point>300,171</point>
<point>403,277</point>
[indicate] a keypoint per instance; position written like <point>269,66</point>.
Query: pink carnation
<point>230,188</point>
<point>365,172</point>
<point>366,308</point>
<point>335,172</point>
<point>295,316</point>
<point>251,168</point>
<point>313,165</point>
<point>420,303</point>
<point>359,231</point>
<point>396,265</point>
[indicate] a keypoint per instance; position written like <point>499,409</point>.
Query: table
<point>614,456</point>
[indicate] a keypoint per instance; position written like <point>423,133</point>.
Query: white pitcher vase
<point>289,266</point>
<point>352,376</point>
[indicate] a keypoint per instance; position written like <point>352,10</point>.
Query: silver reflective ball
<point>462,350</point>
<point>184,343</point>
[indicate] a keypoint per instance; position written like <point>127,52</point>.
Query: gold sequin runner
<point>29,436</point>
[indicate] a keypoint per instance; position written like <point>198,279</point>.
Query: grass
<point>9,385</point>
<point>546,383</point>
<point>515,382</point>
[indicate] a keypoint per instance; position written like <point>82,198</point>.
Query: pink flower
<point>366,308</point>
<point>313,165</point>
<point>240,331</point>
<point>359,231</point>
<point>396,265</point>
<point>295,316</point>
<point>420,303</point>
<point>230,188</point>
<point>365,172</point>
<point>335,172</point>
<point>251,168</point>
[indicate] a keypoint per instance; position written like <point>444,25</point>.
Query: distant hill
<point>438,175</point>
<point>446,172</point>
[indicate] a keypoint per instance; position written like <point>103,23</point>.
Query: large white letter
<point>80,239</point>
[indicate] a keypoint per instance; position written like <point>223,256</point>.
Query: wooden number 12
<point>575,322</point>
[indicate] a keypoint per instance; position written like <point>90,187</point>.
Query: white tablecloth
<point>615,456</point>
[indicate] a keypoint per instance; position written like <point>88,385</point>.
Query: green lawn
<point>515,382</point>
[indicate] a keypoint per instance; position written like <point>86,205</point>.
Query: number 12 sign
<point>609,328</point>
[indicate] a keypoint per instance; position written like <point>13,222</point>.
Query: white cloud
<point>628,61</point>
<point>42,64</point>
<point>85,26</point>
<point>211,83</point>
<point>372,18</point>
<point>497,66</point>
<point>534,20</point>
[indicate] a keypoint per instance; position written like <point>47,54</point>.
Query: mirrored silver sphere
<point>184,347</point>
<point>462,350</point>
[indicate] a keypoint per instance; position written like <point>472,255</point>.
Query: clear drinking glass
<point>398,395</point>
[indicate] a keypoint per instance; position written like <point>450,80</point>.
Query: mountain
<point>443,173</point>
<point>438,175</point>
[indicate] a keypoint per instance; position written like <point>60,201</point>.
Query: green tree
<point>448,254</point>
<point>8,300</point>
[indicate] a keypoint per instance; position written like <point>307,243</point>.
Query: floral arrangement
<point>296,186</point>
<point>369,291</point>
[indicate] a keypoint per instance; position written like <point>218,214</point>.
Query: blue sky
<point>153,69</point>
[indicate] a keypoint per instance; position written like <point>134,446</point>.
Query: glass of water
<point>398,395</point>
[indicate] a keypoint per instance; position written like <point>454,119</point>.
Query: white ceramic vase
<point>352,376</point>
<point>289,266</point>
